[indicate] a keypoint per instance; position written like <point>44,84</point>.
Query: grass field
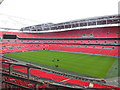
<point>93,65</point>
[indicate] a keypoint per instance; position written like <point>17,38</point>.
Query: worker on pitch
<point>55,60</point>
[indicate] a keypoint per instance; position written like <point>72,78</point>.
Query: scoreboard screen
<point>7,36</point>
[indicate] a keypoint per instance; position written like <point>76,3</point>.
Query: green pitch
<point>93,65</point>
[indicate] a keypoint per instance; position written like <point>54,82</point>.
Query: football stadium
<point>77,54</point>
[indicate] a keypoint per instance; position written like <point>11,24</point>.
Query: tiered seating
<point>20,47</point>
<point>5,65</point>
<point>99,86</point>
<point>19,82</point>
<point>115,52</point>
<point>78,82</point>
<point>95,85</point>
<point>95,49</point>
<point>94,32</point>
<point>51,76</point>
<point>43,74</point>
<point>104,51</point>
<point>114,32</point>
<point>9,41</point>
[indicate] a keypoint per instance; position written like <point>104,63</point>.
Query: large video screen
<point>6,36</point>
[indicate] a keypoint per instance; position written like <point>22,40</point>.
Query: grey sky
<point>55,11</point>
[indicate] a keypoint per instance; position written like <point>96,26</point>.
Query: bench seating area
<point>55,77</point>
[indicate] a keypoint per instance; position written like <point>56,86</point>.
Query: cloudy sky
<point>19,13</point>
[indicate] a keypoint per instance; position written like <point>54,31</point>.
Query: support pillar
<point>10,69</point>
<point>28,72</point>
<point>36,86</point>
